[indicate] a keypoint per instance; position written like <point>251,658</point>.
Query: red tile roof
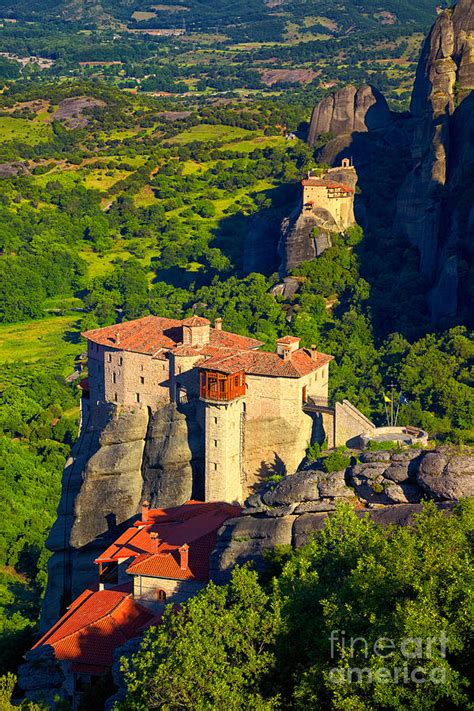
<point>268,364</point>
<point>194,523</point>
<point>96,624</point>
<point>326,184</point>
<point>154,335</point>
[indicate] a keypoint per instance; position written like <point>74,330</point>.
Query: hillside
<point>207,48</point>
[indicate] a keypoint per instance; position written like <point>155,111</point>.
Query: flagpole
<point>398,409</point>
<point>391,407</point>
<point>386,409</point>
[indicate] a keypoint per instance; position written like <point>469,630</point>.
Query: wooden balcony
<point>220,387</point>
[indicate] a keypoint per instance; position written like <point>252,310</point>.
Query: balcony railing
<point>220,387</point>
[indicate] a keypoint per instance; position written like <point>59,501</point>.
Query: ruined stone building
<point>249,404</point>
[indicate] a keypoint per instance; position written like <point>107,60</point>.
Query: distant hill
<point>252,19</point>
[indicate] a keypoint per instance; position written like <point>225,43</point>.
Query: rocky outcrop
<point>173,462</point>
<point>121,458</point>
<point>73,111</point>
<point>389,486</point>
<point>347,111</point>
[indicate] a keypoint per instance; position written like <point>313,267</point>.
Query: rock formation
<point>435,205</point>
<point>121,458</point>
<point>432,194</point>
<point>347,111</point>
<point>389,486</point>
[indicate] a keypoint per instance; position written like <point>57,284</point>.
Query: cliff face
<point>435,204</point>
<point>121,458</point>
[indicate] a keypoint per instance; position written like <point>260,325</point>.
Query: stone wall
<point>127,378</point>
<point>145,590</point>
<point>340,208</point>
<point>350,424</point>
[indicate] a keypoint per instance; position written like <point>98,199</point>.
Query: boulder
<point>372,457</point>
<point>445,477</point>
<point>246,539</point>
<point>302,486</point>
<point>397,472</point>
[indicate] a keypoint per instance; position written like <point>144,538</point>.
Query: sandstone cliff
<point>121,458</point>
<point>435,205</point>
<point>388,485</point>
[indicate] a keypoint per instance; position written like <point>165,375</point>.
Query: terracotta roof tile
<point>326,184</point>
<point>94,626</point>
<point>196,321</point>
<point>193,523</point>
<point>288,340</point>
<point>154,336</point>
<point>268,364</point>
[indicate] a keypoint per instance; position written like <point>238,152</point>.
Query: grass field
<point>207,132</point>
<point>47,339</point>
<point>24,131</point>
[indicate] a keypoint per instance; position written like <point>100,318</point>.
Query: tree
<point>213,653</point>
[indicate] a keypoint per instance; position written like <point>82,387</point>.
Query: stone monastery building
<point>332,192</point>
<point>249,403</point>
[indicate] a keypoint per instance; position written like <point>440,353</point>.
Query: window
<point>215,420</point>
<point>138,397</point>
<point>214,466</point>
<point>215,443</point>
<point>120,360</point>
<point>109,357</point>
<point>114,377</point>
<point>116,397</point>
<point>161,595</point>
<point>142,380</point>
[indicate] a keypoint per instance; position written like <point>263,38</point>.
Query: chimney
<point>183,556</point>
<point>314,352</point>
<point>117,338</point>
<point>218,324</point>
<point>145,511</point>
<point>286,346</point>
<point>156,538</point>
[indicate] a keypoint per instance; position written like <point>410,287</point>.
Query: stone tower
<point>223,446</point>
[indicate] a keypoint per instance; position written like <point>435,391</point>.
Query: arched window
<point>161,595</point>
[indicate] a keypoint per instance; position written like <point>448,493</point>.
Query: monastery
<point>333,192</point>
<point>250,404</point>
